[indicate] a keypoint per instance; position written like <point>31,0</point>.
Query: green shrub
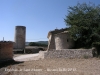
<point>37,44</point>
<point>86,57</point>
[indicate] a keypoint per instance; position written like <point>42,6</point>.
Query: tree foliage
<point>84,24</point>
<point>37,44</point>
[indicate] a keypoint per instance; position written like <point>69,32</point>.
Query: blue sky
<point>39,17</point>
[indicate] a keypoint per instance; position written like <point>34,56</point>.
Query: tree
<point>37,44</point>
<point>84,24</point>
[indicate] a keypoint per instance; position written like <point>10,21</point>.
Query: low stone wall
<point>33,50</point>
<point>69,53</point>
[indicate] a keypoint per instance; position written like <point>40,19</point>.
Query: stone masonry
<point>20,37</point>
<point>68,53</point>
<point>59,39</point>
<point>63,41</point>
<point>6,50</point>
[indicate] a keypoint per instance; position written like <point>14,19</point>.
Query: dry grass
<point>89,66</point>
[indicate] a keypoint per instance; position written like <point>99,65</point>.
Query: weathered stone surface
<point>60,39</point>
<point>51,42</point>
<point>6,50</point>
<point>69,53</point>
<point>63,41</point>
<point>20,36</point>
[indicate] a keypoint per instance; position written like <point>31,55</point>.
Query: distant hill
<point>42,42</point>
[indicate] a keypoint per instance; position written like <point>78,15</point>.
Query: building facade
<point>59,39</point>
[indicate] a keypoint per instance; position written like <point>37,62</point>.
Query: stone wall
<point>33,50</point>
<point>63,41</point>
<point>14,45</point>
<point>6,50</point>
<point>60,41</point>
<point>51,42</point>
<point>69,53</point>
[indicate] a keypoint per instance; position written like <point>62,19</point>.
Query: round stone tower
<point>63,41</point>
<point>20,37</point>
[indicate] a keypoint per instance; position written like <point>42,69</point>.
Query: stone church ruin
<point>60,39</point>
<point>60,45</point>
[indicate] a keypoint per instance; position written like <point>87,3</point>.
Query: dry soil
<point>90,66</point>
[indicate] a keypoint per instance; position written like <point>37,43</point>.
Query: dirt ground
<point>90,66</point>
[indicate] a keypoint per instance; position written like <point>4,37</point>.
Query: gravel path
<point>26,57</point>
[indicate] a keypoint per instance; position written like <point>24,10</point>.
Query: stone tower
<point>20,37</point>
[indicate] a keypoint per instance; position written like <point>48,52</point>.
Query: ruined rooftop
<point>56,31</point>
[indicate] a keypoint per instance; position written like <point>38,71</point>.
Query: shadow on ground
<point>9,62</point>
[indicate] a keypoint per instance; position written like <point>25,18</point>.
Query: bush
<point>37,44</point>
<point>86,57</point>
<point>97,46</point>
